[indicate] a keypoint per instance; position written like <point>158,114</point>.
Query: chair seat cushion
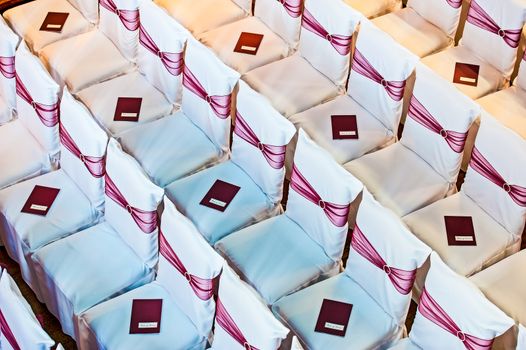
<point>248,206</point>
<point>411,30</point>
<point>492,239</point>
<point>101,99</point>
<point>509,107</point>
<point>277,257</point>
<point>292,85</point>
<point>84,269</point>
<point>170,148</point>
<point>374,8</point>
<point>84,60</point>
<point>490,79</point>
<point>405,344</point>
<point>24,158</point>
<point>317,123</point>
<point>392,185</point>
<point>26,20</point>
<point>370,327</point>
<point>107,325</point>
<point>223,40</point>
<point>198,16</point>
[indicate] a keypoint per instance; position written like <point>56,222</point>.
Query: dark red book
<point>460,231</point>
<point>248,43</point>
<point>40,200</point>
<point>54,22</point>
<point>128,109</point>
<point>467,74</point>
<point>220,195</point>
<point>344,127</point>
<point>146,316</point>
<point>334,317</point>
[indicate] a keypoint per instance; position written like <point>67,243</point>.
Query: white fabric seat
<point>374,8</point>
<point>26,20</point>
<point>198,17</point>
<point>8,44</point>
<point>508,106</point>
<point>6,113</point>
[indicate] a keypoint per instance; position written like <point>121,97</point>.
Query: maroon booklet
<point>460,231</point>
<point>220,195</point>
<point>344,127</point>
<point>54,22</point>
<point>40,200</point>
<point>334,317</point>
<point>467,74</point>
<point>248,43</point>
<point>146,316</point>
<point>128,109</point>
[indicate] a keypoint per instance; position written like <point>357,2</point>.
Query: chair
<point>8,44</point>
<point>376,101</point>
<point>424,27</point>
<point>374,8</point>
<point>195,137</point>
<point>81,197</point>
<point>27,20</point>
<point>454,314</point>
<point>242,320</point>
<point>187,280</point>
<point>377,281</point>
<point>278,21</point>
<point>304,245</point>
<point>160,64</point>
<point>521,344</point>
<point>497,209</point>
<point>19,328</point>
<point>432,145</point>
<point>99,54</point>
<point>108,259</point>
<point>31,142</point>
<point>204,15</point>
<point>490,40</point>
<point>318,71</point>
<point>257,166</point>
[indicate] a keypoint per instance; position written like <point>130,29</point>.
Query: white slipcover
<point>8,44</point>
<point>442,13</point>
<point>16,312</point>
<point>112,25</point>
<point>521,343</point>
<point>374,8</point>
<point>520,81</point>
<point>248,313</point>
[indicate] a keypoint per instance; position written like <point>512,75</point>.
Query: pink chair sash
<point>95,165</point>
<point>203,288</point>
<point>455,3</point>
<point>48,114</point>
<point>129,18</point>
<point>431,310</point>
<point>402,279</point>
<point>7,67</point>
<point>337,213</point>
<point>275,155</point>
<point>146,220</point>
<point>6,332</point>
<point>417,112</point>
<point>484,168</point>
<point>219,104</point>
<point>225,321</point>
<point>293,7</point>
<point>172,61</point>
<point>480,18</point>
<point>395,89</point>
<point>342,43</point>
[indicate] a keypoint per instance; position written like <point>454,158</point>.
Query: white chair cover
<point>131,203</point>
<point>521,343</point>
<point>259,141</point>
<point>454,314</point>
<point>520,81</point>
<point>243,321</point>
<point>89,8</point>
<point>244,4</point>
<point>444,14</point>
<point>326,37</point>
<point>161,48</point>
<point>374,8</point>
<point>283,17</point>
<point>8,43</point>
<point>208,85</point>
<point>320,196</point>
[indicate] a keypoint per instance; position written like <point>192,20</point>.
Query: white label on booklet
<point>217,202</point>
<point>347,133</point>
<point>248,48</point>
<point>468,80</point>
<point>54,26</point>
<point>336,327</point>
<point>128,115</point>
<point>38,207</point>
<point>464,238</point>
<point>143,325</point>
